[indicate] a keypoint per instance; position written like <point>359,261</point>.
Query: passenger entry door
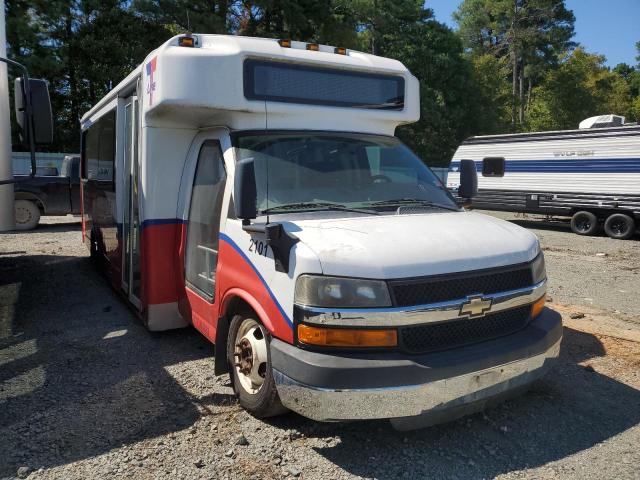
<point>131,277</point>
<point>205,201</point>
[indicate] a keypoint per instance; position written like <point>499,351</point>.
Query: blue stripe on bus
<point>161,221</point>
<point>591,165</point>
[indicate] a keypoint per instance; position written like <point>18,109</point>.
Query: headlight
<point>338,292</point>
<point>538,269</point>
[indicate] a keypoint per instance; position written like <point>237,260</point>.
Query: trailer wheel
<point>250,367</point>
<point>584,223</point>
<point>27,215</point>
<point>620,226</point>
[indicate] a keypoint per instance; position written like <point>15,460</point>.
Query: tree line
<point>509,66</point>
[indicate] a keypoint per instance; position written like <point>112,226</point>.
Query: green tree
<point>492,92</point>
<point>531,34</point>
<point>582,86</point>
<point>448,106</point>
<point>82,47</point>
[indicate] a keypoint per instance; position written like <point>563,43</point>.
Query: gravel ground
<point>87,392</point>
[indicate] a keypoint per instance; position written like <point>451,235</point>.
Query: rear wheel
<point>27,215</point>
<point>584,223</point>
<point>620,226</point>
<point>250,367</point>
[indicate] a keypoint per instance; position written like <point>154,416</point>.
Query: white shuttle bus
<point>591,174</point>
<point>254,189</point>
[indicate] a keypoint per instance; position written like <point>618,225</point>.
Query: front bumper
<point>358,386</point>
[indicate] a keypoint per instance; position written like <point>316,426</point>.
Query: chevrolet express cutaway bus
<point>253,188</point>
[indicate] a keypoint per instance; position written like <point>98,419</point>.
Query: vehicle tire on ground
<point>27,215</point>
<point>620,226</point>
<point>584,223</point>
<point>250,367</point>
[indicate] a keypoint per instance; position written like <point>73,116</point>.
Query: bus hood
<point>397,246</point>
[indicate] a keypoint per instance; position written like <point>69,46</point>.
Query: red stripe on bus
<point>236,277</point>
<point>158,248</point>
<point>163,282</point>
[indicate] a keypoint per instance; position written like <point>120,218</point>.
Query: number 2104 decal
<point>259,247</point>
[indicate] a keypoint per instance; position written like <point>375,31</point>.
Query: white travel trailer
<point>253,188</point>
<point>591,174</point>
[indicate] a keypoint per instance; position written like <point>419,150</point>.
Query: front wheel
<point>250,367</point>
<point>620,226</point>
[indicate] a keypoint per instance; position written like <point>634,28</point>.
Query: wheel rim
<point>250,356</point>
<point>583,224</point>
<point>23,215</point>
<point>619,227</point>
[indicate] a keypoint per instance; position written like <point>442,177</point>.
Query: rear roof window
<point>292,83</point>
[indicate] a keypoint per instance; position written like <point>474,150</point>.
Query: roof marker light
<point>285,43</point>
<point>340,50</point>
<point>186,41</point>
<point>313,47</point>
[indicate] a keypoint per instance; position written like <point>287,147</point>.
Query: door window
<point>204,219</point>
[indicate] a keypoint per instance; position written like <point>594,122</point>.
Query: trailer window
<point>493,167</point>
<point>99,149</point>
<point>204,219</point>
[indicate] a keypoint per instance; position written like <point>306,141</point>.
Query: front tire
<point>620,226</point>
<point>250,367</point>
<point>584,223</point>
<point>27,215</point>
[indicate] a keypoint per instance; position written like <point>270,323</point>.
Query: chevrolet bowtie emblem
<point>475,306</point>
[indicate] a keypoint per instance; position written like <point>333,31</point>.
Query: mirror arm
<point>26,90</point>
<point>254,227</point>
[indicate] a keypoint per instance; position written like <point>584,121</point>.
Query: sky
<point>608,27</point>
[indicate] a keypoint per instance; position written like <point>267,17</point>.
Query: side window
<point>201,254</point>
<point>99,149</point>
<point>493,167</point>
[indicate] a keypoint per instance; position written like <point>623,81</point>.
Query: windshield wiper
<point>304,206</point>
<point>412,201</point>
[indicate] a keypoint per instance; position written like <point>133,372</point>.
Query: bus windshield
<point>323,171</point>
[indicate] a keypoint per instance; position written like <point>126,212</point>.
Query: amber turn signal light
<point>538,306</point>
<point>186,42</point>
<point>346,337</point>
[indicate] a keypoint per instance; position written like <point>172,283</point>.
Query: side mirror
<point>41,117</point>
<point>468,179</point>
<point>245,195</point>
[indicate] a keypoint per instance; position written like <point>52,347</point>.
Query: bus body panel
<point>191,103</point>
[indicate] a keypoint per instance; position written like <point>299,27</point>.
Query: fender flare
<point>251,301</point>
<point>27,195</point>
<point>221,365</point>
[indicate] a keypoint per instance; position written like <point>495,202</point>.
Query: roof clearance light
<point>340,50</point>
<point>285,43</point>
<point>186,41</point>
<point>313,47</point>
